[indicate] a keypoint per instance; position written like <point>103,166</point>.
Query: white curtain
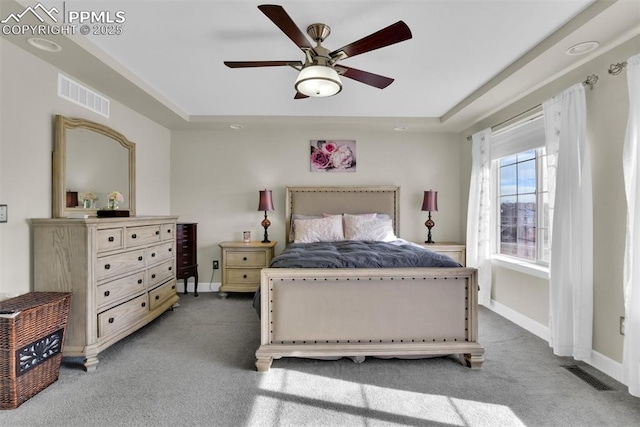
<point>571,235</point>
<point>479,214</point>
<point>631,158</point>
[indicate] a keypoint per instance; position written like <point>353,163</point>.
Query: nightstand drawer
<point>243,275</point>
<point>246,259</point>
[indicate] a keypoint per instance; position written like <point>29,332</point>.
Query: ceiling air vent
<point>82,95</point>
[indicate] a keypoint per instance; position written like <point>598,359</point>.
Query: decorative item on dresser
<point>241,265</point>
<point>187,254</point>
<point>121,272</point>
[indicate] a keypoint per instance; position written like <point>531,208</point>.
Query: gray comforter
<point>358,254</point>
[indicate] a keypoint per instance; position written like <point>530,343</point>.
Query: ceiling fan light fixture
<point>318,81</point>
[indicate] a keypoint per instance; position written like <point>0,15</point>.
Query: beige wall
<point>216,176</point>
<point>28,102</point>
<point>607,111</point>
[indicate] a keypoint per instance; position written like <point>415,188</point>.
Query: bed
<point>407,312</point>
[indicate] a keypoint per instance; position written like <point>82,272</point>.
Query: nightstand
<point>456,251</point>
<point>241,265</point>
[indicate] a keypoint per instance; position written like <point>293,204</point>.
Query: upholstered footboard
<point>369,312</point>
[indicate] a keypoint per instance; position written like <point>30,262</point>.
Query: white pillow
<point>371,229</point>
<point>292,232</point>
<point>327,229</point>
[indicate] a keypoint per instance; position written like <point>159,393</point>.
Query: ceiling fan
<point>319,74</point>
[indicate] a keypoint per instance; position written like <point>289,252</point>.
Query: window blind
<point>522,136</point>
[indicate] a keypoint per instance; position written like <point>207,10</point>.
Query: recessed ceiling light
<point>44,44</point>
<point>236,126</point>
<point>582,48</point>
<point>400,128</point>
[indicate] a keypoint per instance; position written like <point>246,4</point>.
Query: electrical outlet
<point>621,325</point>
<point>3,213</point>
<point>216,265</point>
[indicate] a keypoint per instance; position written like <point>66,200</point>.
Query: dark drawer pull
<point>107,266</point>
<point>107,293</point>
<point>157,232</point>
<point>170,268</point>
<point>244,258</point>
<point>111,238</point>
<point>173,287</point>
<point>153,254</point>
<point>134,236</point>
<point>139,281</point>
<point>140,258</point>
<point>153,276</point>
<point>170,249</point>
<point>157,296</point>
<point>111,320</point>
<point>168,230</point>
<point>144,304</point>
<point>244,276</point>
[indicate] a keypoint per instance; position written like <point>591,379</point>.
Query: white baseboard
<point>599,361</point>
<point>202,287</point>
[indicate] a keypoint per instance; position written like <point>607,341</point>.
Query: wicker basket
<point>32,328</point>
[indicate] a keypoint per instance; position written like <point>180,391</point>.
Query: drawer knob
<point>157,296</point>
<point>134,236</point>
<point>157,232</point>
<point>244,276</point>
<point>169,230</point>
<point>244,258</point>
<point>173,287</point>
<point>170,268</point>
<point>153,254</point>
<point>111,320</point>
<point>170,249</point>
<point>107,266</point>
<point>140,258</point>
<point>107,293</point>
<point>153,276</point>
<point>144,304</point>
<point>139,281</point>
<point>111,238</point>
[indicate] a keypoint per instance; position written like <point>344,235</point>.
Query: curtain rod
<point>615,69</point>
<point>590,81</point>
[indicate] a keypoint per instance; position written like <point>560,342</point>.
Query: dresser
<point>241,265</point>
<point>187,254</point>
<point>456,251</point>
<point>121,272</point>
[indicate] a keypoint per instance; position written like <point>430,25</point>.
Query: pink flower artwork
<point>333,156</point>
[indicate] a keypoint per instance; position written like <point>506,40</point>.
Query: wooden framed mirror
<point>92,158</point>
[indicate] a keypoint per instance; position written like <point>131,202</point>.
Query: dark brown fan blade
<point>365,77</point>
<point>392,34</point>
<point>279,16</point>
<point>245,64</point>
<point>300,96</point>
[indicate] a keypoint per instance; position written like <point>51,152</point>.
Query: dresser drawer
<point>168,231</point>
<point>160,294</point>
<point>243,275</point>
<point>113,265</point>
<point>119,289</point>
<point>159,273</point>
<point>158,253</point>
<point>110,239</point>
<point>123,315</point>
<point>246,259</point>
<point>144,235</point>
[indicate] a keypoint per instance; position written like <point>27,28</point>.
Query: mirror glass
<point>90,161</point>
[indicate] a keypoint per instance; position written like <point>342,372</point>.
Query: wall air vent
<point>82,95</point>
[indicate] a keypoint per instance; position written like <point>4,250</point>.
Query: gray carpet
<point>194,366</point>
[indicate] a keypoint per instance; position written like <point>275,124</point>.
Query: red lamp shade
<point>430,201</point>
<point>266,203</point>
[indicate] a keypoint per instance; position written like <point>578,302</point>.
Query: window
<point>522,208</point>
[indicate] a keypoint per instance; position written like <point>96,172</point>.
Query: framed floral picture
<point>337,155</point>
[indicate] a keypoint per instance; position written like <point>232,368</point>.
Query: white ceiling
<point>172,53</point>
